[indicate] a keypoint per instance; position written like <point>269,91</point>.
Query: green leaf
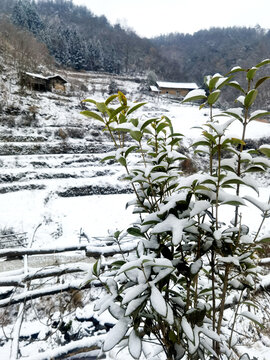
<point>101,107</point>
<point>109,157</point>
<point>173,135</point>
<point>195,98</point>
<point>122,98</point>
<point>90,101</point>
<point>237,86</point>
<point>202,106</point>
<point>265,240</point>
<point>251,73</point>
<point>173,337</point>
<point>147,122</point>
<point>258,114</point>
<point>213,97</point>
<point>201,143</point>
<point>233,203</point>
<point>254,168</point>
<point>265,149</point>
<point>250,97</point>
<point>213,81</point>
<point>224,82</point>
<point>234,114</point>
<point>134,231</point>
<point>232,181</point>
<point>122,161</point>
<point>110,99</point>
<point>117,111</point>
<point>264,62</point>
<point>118,263</point>
<point>236,69</point>
<point>130,149</point>
<point>161,127</point>
<point>92,115</point>
<point>136,135</point>
<point>210,136</point>
<point>96,268</point>
<point>261,81</point>
<point>134,108</point>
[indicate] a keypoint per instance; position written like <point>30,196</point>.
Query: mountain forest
<point>72,36</point>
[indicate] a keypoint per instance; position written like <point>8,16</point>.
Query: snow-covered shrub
<point>190,264</point>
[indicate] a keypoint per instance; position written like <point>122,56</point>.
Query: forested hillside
<point>78,39</point>
<point>217,49</point>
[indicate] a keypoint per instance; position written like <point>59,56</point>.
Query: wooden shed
<point>56,82</point>
<point>175,88</point>
<point>43,83</point>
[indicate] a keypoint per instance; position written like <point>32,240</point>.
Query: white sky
<point>150,18</point>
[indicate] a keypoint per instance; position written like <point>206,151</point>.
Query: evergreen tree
<point>25,15</point>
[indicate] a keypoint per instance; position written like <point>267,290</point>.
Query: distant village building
<point>43,83</point>
<point>175,88</point>
<point>154,89</point>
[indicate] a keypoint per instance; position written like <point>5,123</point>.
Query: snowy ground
<point>42,168</point>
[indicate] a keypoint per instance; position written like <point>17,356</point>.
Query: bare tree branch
<point>41,274</point>
<point>73,348</point>
<point>49,290</point>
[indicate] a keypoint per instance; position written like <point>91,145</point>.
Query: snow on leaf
<point>205,344</point>
<point>134,304</point>
<point>172,201</point>
<point>220,128</point>
<point>195,95</point>
<point>251,317</point>
<point>241,99</point>
<point>187,329</point>
<point>130,265</point>
<point>106,303</point>
<point>246,239</point>
<point>133,292</point>
<point>171,223</point>
<point>252,183</point>
<point>199,207</point>
<point>229,260</point>
<point>169,317</point>
<point>263,206</point>
<point>221,81</point>
<point>116,334</point>
<point>230,199</point>
<point>196,266</point>
<point>134,345</point>
<point>116,311</point>
<point>158,302</point>
<point>211,334</point>
<point>217,234</point>
<point>265,149</point>
<point>258,113</point>
<point>235,112</point>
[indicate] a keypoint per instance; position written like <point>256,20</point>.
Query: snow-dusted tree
<point>25,15</point>
<point>190,263</point>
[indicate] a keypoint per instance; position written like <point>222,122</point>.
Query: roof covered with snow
<point>39,76</point>
<point>177,85</point>
<point>154,88</point>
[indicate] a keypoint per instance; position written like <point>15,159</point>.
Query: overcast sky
<point>150,18</point>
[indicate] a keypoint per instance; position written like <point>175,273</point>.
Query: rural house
<point>43,83</point>
<point>175,88</point>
